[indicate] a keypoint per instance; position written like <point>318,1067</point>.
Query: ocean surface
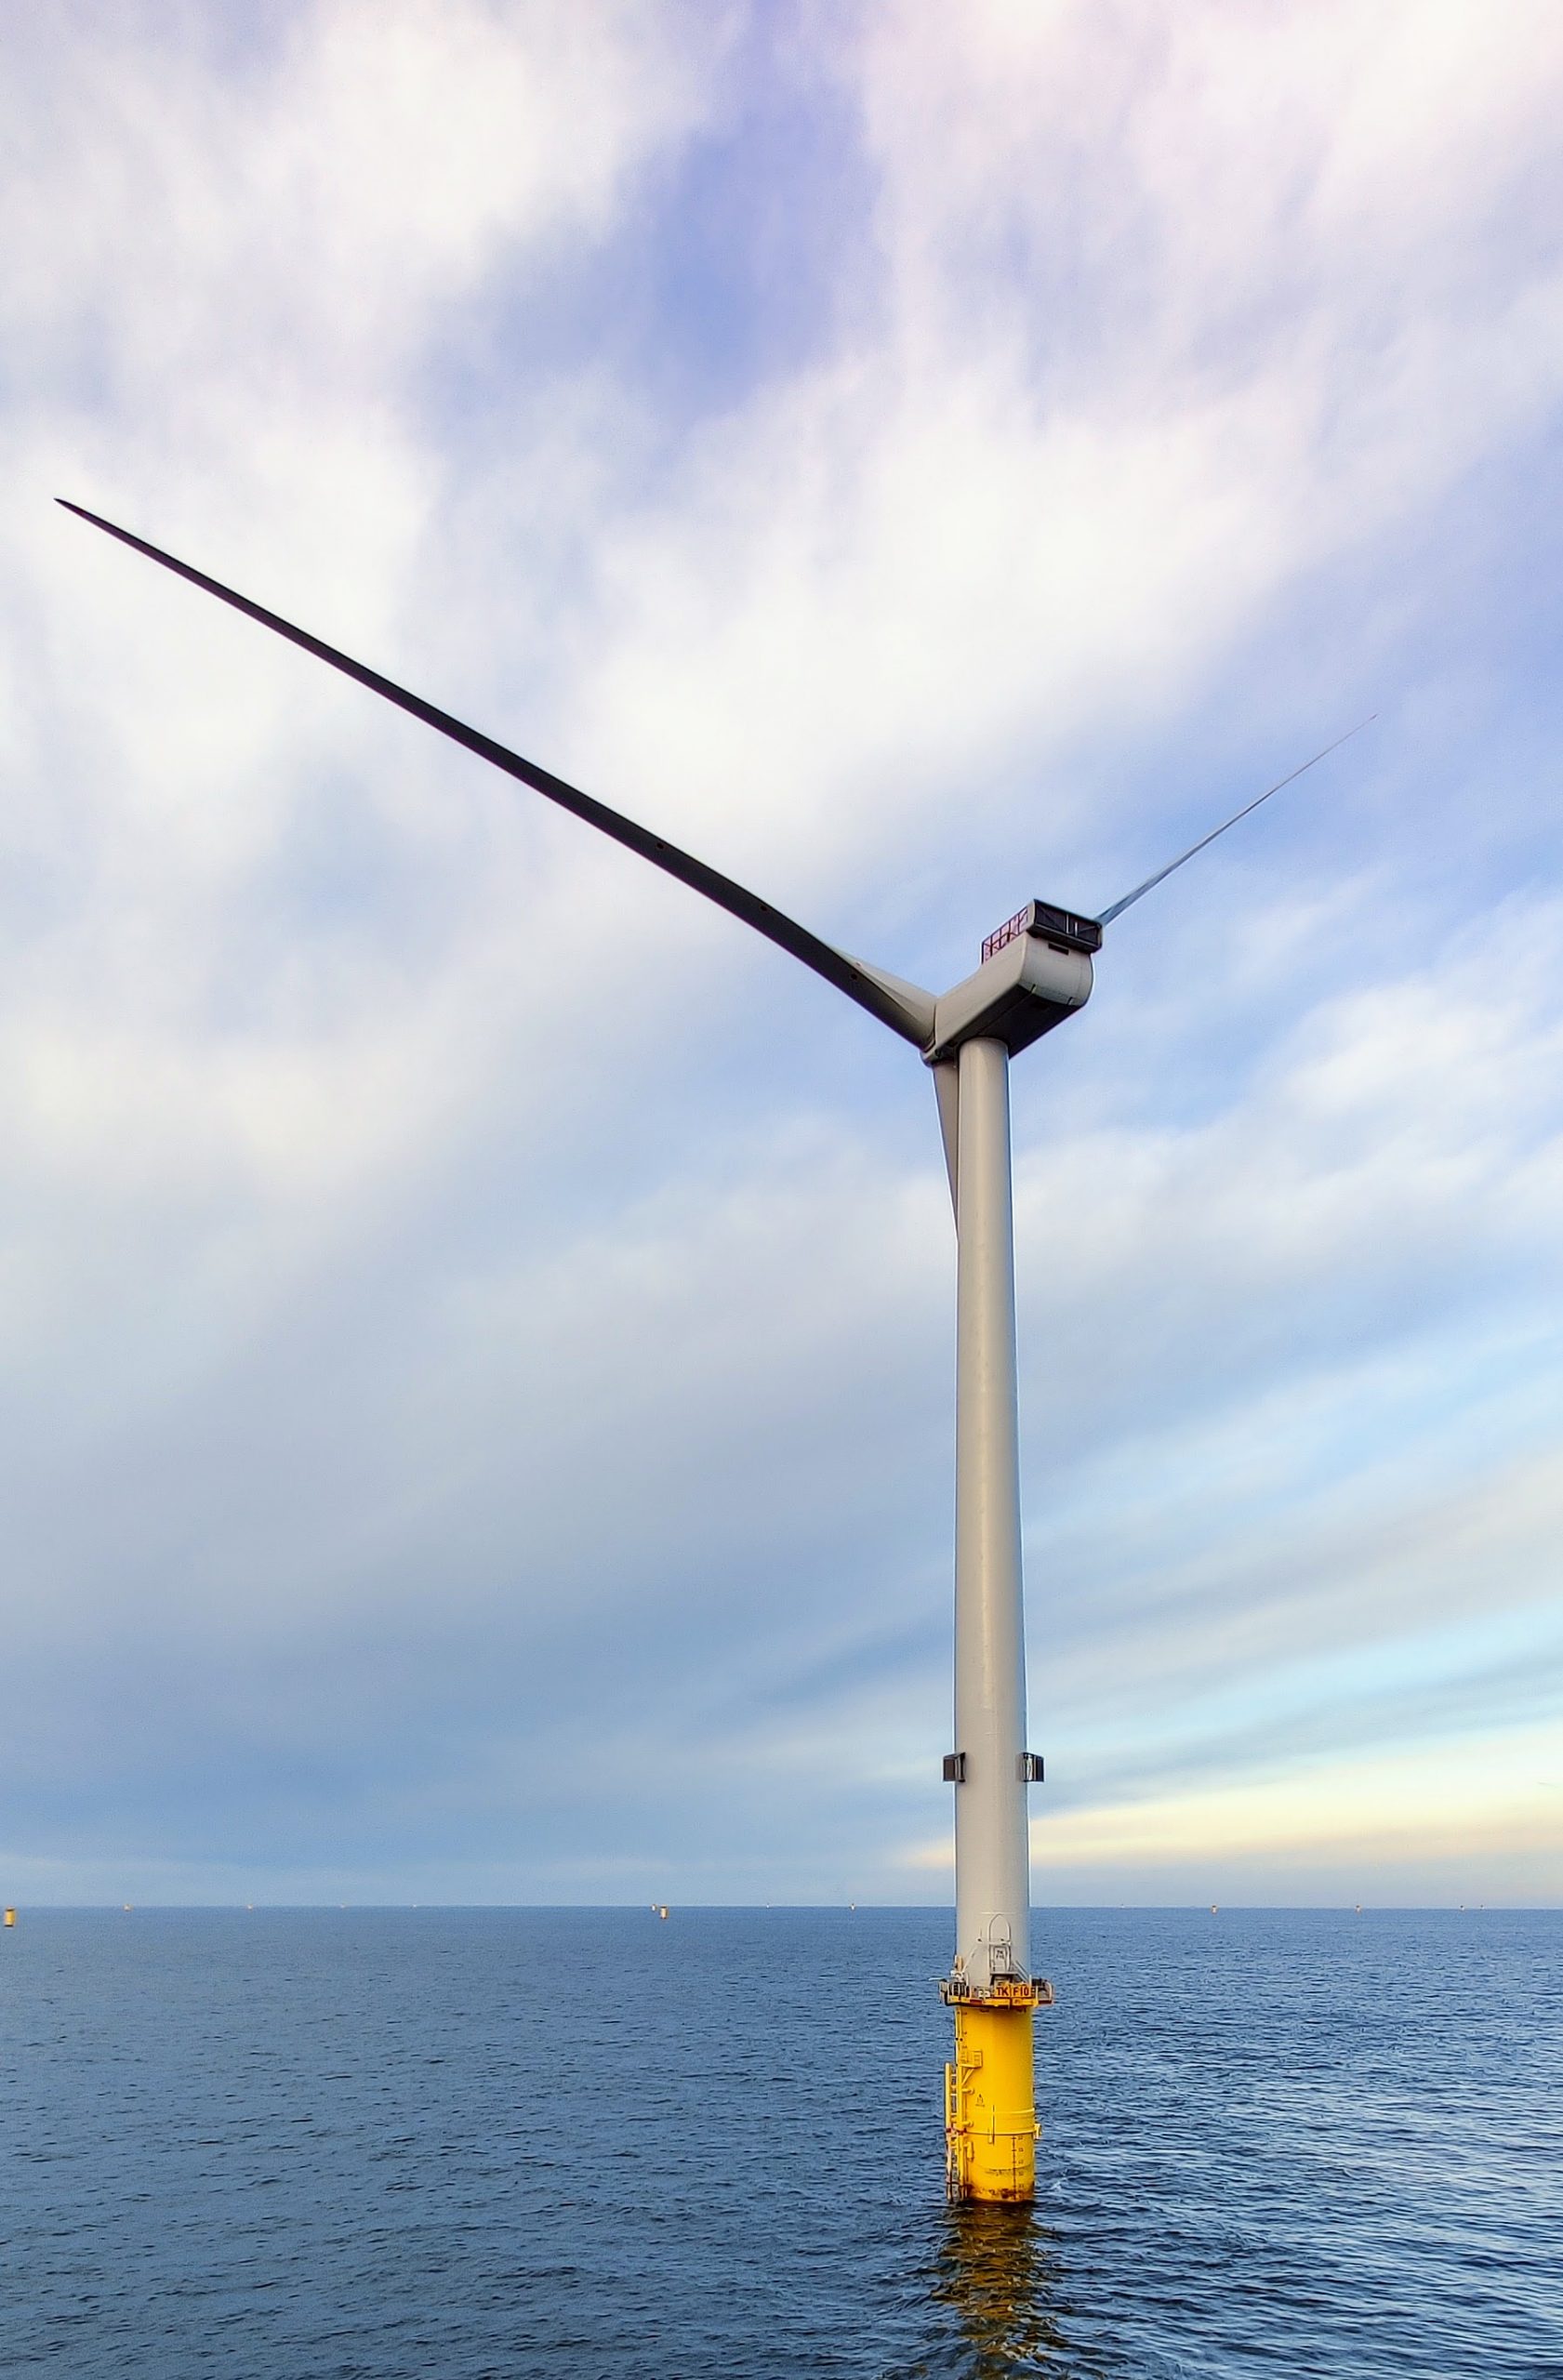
<point>440,2144</point>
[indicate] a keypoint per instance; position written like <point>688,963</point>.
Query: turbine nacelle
<point>1036,971</point>
<point>1062,928</point>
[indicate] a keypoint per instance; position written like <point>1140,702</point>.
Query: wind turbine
<point>1036,972</point>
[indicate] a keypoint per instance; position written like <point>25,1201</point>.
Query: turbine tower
<point>1036,972</point>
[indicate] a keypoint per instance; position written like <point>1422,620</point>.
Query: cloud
<point>477,1387</point>
<point>1485,1807</point>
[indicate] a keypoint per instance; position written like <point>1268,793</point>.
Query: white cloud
<point>399,1277</point>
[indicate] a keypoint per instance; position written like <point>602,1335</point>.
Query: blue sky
<point>476,1373</point>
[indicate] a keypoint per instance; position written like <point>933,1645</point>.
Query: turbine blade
<point>1173,865</point>
<point>867,988</point>
<point>946,1090</point>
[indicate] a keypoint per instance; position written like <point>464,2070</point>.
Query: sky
<point>476,1323</point>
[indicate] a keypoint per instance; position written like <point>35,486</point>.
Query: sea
<point>438,2144</point>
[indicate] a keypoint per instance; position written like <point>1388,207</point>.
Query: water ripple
<point>487,2145</point>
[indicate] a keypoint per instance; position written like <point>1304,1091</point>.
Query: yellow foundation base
<point>990,2095</point>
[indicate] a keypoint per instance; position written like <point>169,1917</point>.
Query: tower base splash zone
<point>991,2093</point>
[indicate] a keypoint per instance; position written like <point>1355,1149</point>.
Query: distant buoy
<point>10,1917</point>
<point>662,1909</point>
<point>1215,1909</point>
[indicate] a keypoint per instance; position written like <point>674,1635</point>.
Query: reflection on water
<point>997,2273</point>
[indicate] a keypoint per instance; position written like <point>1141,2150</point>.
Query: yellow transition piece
<point>990,2095</point>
